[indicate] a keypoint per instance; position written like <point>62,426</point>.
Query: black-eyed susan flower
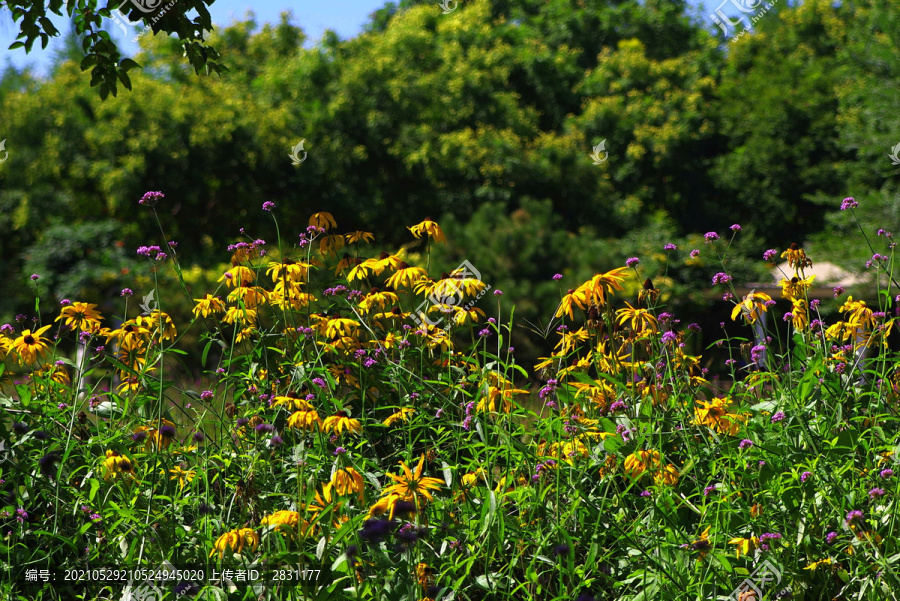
<point>236,540</point>
<point>323,219</point>
<point>715,415</point>
<point>348,481</point>
<point>238,275</point>
<point>796,258</point>
<point>115,465</point>
<point>429,228</point>
<point>702,544</point>
<point>81,316</point>
<point>286,522</point>
<point>129,335</point>
<point>399,416</point>
<point>752,307</point>
<point>640,319</point>
<point>357,236</point>
<point>640,461</point>
<point>305,420</point>
<point>860,314</point>
<point>292,270</point>
<point>239,315</point>
<point>30,345</point>
<point>406,275</point>
<point>340,421</point>
<point>293,402</point>
<point>796,288</point>
<point>341,326</point>
<point>158,323</point>
<point>182,475</point>
<point>377,298</point>
<point>577,297</point>
<point>251,296</point>
<point>208,305</point>
<point>411,484</point>
<point>744,546</point>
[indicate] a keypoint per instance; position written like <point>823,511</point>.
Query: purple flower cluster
<point>710,237</point>
<point>721,278</point>
<point>540,468</point>
<point>745,444</point>
<point>669,246</point>
<point>632,261</point>
<point>151,198</point>
<point>770,254</point>
<point>268,205</point>
<point>757,353</point>
<point>848,203</point>
<point>148,251</point>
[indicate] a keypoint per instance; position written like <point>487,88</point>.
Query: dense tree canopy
<point>485,118</point>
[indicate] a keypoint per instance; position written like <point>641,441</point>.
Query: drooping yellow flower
<point>354,237</point>
<point>341,326</point>
<point>158,324</point>
<point>340,421</point>
<point>348,481</point>
<point>158,437</point>
<point>293,401</point>
<point>702,544</point>
<point>498,400</point>
<point>323,219</point>
<point>640,461</point>
<point>251,296</point>
<point>716,416</point>
<point>305,420</point>
<point>577,298</point>
<point>410,485</point>
<point>129,335</point>
<point>286,522</point>
<point>288,269</point>
<point>430,228</point>
<point>399,416</point>
<point>801,314</point>
<point>667,475</point>
<point>236,540</point>
<point>81,316</point>
<point>752,307</point>
<point>796,258</point>
<point>387,503</point>
<point>860,314</point>
<point>115,465</point>
<point>745,546</point>
<point>208,305</point>
<point>239,275</point>
<point>30,345</point>
<point>239,314</point>
<point>405,275</point>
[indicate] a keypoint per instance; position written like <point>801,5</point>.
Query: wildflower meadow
<point>362,429</point>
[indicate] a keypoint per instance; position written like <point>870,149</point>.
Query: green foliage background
<point>482,119</point>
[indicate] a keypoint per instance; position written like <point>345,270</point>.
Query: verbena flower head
<point>848,203</point>
<point>670,246</point>
<point>735,228</point>
<point>268,205</point>
<point>151,198</point>
<point>632,261</point>
<point>745,444</point>
<point>770,254</point>
<point>854,517</point>
<point>710,237</point>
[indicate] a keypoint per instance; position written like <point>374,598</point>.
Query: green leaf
<point>126,64</point>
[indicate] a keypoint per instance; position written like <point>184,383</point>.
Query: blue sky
<point>346,17</point>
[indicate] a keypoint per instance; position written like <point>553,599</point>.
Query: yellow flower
<point>800,313</point>
<point>130,335</point>
<point>354,237</point>
<point>341,326</point>
<point>323,219</point>
<point>666,476</point>
<point>207,305</point>
<point>400,416</point>
<point>716,416</point>
<point>405,276</point>
<point>239,275</point>
<point>293,402</point>
<point>752,306</point>
<point>430,228</point>
<point>795,288</point>
<point>239,314</point>
<point>81,316</point>
<point>340,421</point>
<point>860,314</point>
<point>331,244</point>
<point>424,575</point>
<point>640,461</point>
<point>304,420</point>
<point>410,485</point>
<point>745,546</point>
<point>30,345</point>
<point>346,481</point>
<point>294,271</point>
<point>182,475</point>
<point>573,297</point>
<point>159,323</point>
<point>386,503</point>
<point>816,564</point>
<point>286,522</point>
<point>640,319</point>
<point>236,540</point>
<point>701,544</point>
<point>116,464</point>
<point>796,258</point>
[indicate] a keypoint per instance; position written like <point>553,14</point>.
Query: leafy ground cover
<point>363,430</point>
